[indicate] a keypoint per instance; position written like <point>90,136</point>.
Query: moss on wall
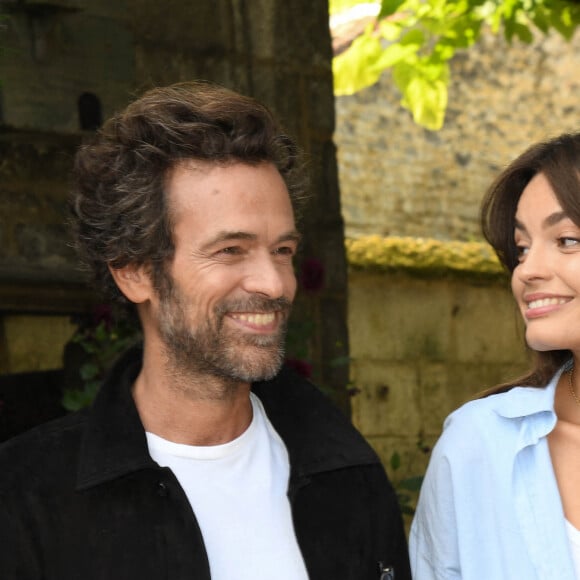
<point>424,257</point>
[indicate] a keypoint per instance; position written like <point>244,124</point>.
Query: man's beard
<point>212,348</point>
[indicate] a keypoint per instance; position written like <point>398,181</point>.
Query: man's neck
<point>193,410</point>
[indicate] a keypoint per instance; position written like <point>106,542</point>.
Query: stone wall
<point>399,179</point>
<point>420,348</point>
<point>60,54</point>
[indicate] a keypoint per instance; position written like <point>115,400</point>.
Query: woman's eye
<point>521,251</point>
<point>568,242</point>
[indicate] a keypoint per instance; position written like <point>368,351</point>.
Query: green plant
<point>407,488</point>
<point>418,38</point>
<point>101,338</point>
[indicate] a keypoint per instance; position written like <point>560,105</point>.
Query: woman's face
<point>546,281</point>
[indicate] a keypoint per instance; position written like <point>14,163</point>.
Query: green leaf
<point>395,461</point>
<point>443,51</point>
<point>425,35</point>
<point>389,7</point>
<point>393,55</point>
<point>72,400</point>
<point>407,510</point>
<point>337,6</point>
<point>564,20</point>
<point>411,483</point>
<point>355,68</point>
<point>541,19</point>
<point>413,38</point>
<point>523,33</point>
<point>339,361</point>
<point>424,88</point>
<point>89,371</point>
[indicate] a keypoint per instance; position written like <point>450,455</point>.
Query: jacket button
<point>162,490</point>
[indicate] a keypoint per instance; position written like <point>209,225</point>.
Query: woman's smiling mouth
<point>541,302</point>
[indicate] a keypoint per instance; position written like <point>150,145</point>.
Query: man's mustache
<point>255,304</point>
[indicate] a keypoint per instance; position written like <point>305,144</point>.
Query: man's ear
<point>134,282</point>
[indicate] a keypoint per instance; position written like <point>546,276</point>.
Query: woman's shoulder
<point>495,419</point>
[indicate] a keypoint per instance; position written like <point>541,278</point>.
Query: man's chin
<point>256,366</point>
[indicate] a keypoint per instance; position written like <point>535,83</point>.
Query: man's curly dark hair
<point>119,206</point>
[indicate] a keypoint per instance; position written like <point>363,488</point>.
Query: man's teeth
<point>545,302</point>
<point>260,319</point>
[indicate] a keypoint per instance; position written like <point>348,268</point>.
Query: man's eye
<point>231,251</point>
<point>285,251</point>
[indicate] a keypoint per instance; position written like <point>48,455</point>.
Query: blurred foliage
<point>418,38</point>
<point>407,487</point>
<point>102,337</point>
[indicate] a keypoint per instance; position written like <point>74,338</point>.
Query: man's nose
<point>265,276</point>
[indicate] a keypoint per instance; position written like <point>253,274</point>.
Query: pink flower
<point>103,313</point>
<point>312,275</point>
<point>300,366</point>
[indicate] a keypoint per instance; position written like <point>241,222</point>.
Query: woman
<point>501,497</point>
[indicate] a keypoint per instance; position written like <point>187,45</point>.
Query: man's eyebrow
<point>292,236</point>
<point>227,236</point>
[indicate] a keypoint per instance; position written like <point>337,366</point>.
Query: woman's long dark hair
<point>559,160</point>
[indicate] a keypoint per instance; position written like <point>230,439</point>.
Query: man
<point>200,458</point>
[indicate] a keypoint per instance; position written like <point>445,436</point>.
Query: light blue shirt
<point>489,506</point>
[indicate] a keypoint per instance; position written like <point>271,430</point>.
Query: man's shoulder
<point>313,428</point>
<point>290,393</point>
<point>50,448</point>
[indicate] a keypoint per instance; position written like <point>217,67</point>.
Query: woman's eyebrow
<point>554,218</point>
<point>549,221</point>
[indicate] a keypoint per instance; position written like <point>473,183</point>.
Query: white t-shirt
<point>574,537</point>
<point>238,494</point>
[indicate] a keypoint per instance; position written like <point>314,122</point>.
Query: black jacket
<point>81,499</point>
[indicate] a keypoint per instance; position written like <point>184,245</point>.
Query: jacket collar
<point>114,441</point>
<point>318,436</point>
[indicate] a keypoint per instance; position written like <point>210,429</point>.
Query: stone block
<point>487,325</point>
<point>396,318</point>
<point>386,400</point>
<point>35,343</point>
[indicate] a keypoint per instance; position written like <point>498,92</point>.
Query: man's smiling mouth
<point>255,318</point>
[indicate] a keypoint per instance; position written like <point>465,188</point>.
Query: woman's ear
<point>134,282</point>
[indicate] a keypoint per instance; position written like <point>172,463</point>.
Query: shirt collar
<point>317,435</point>
<point>524,401</point>
<point>533,403</point>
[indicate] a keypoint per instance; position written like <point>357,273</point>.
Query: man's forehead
<point>223,176</point>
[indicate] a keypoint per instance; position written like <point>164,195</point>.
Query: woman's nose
<point>535,264</point>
